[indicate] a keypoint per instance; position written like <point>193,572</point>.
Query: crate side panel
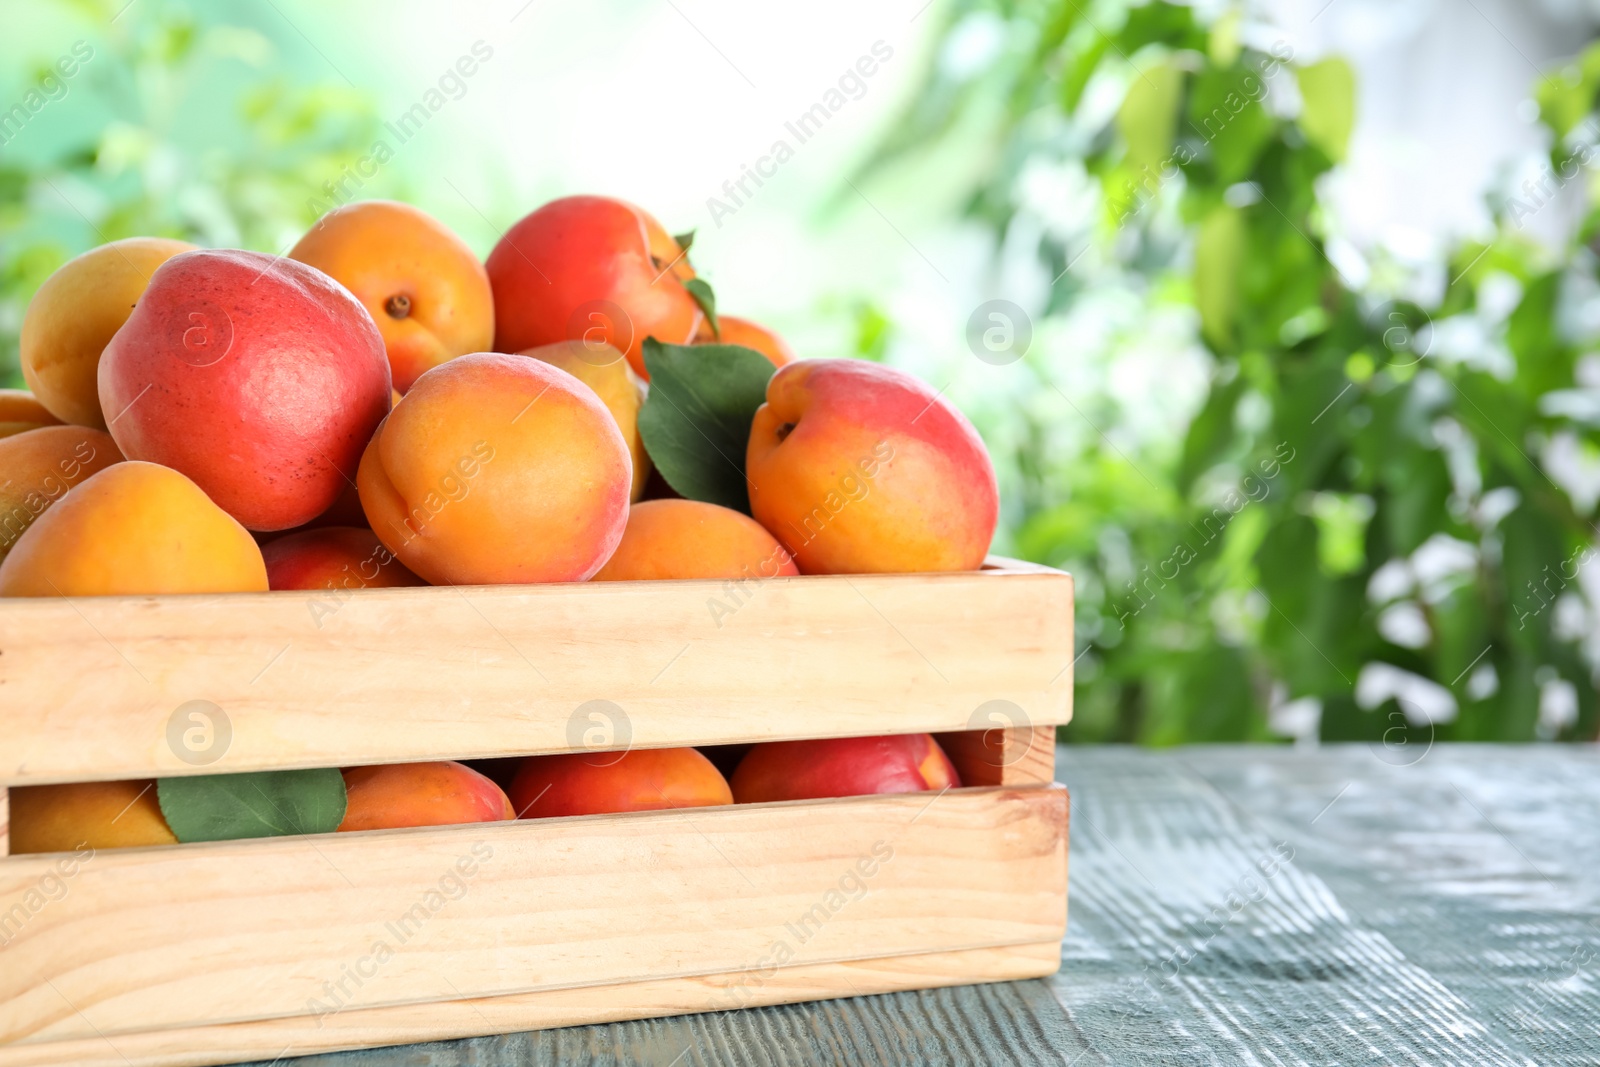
<point>202,934</point>
<point>119,687</point>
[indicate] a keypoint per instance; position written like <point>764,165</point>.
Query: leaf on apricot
<point>701,291</point>
<point>226,807</point>
<point>685,240</point>
<point>695,422</point>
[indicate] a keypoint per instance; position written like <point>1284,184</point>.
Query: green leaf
<point>1328,105</point>
<point>1148,117</point>
<point>695,422</point>
<point>701,291</point>
<point>685,240</point>
<point>1218,257</point>
<point>1225,111</point>
<point>226,807</point>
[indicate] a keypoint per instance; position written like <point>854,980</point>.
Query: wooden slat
<point>1023,755</point>
<point>371,1027</point>
<point>147,939</point>
<point>106,687</point>
<point>5,821</point>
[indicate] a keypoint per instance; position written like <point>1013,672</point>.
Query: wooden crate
<point>211,953</point>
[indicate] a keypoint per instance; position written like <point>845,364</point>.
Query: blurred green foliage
<point>1353,491</point>
<point>139,152</point>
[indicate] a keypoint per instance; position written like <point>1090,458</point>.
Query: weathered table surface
<point>1234,905</point>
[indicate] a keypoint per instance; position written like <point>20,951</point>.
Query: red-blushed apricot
<point>133,529</point>
<point>498,469</point>
<point>603,369</point>
<point>842,767</point>
<point>590,268</point>
<point>333,557</point>
<point>421,284</point>
<point>859,468</point>
<point>20,411</point>
<point>443,793</point>
<point>593,783</point>
<point>39,466</point>
<point>88,815</point>
<point>693,539</point>
<point>261,378</point>
<point>736,331</point>
<point>73,317</point>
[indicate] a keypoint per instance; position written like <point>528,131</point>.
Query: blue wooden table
<point>1233,905</point>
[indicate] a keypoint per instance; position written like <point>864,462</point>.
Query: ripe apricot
<point>842,767</point>
<point>591,268</point>
<point>422,285</point>
<point>442,793</point>
<point>95,815</point>
<point>861,468</point>
<point>603,369</point>
<point>73,317</point>
<point>134,528</point>
<point>39,466</point>
<point>498,469</point>
<point>693,539</point>
<point>333,557</point>
<point>737,331</point>
<point>21,411</point>
<point>261,378</point>
<point>585,783</point>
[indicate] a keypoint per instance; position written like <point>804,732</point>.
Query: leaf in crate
<point>225,807</point>
<point>695,422</point>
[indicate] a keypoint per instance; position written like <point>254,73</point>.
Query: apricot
<point>593,783</point>
<point>736,331</point>
<point>861,468</point>
<point>603,369</point>
<point>333,557</point>
<point>73,316</point>
<point>591,268</point>
<point>260,378</point>
<point>420,283</point>
<point>95,815</point>
<point>20,411</point>
<point>443,793</point>
<point>134,528</point>
<point>842,767</point>
<point>498,469</point>
<point>693,539</point>
<point>38,467</point>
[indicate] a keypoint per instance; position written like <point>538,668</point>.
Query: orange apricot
<point>693,539</point>
<point>842,767</point>
<point>333,557</point>
<point>737,331</point>
<point>39,466</point>
<point>441,793</point>
<point>21,411</point>
<point>73,316</point>
<point>93,815</point>
<point>605,370</point>
<point>422,285</point>
<point>134,528</point>
<point>498,469</point>
<point>592,783</point>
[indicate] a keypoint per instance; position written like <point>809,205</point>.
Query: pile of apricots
<point>381,408</point>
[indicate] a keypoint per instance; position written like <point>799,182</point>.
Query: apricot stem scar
<point>398,306</point>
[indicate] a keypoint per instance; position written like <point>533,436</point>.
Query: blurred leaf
<point>1328,105</point>
<point>1225,111</point>
<point>1218,256</point>
<point>1149,115</point>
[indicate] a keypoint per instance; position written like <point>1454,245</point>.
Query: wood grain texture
<point>376,1027</point>
<point>92,688</point>
<point>145,939</point>
<point>1418,905</point>
<point>5,822</point>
